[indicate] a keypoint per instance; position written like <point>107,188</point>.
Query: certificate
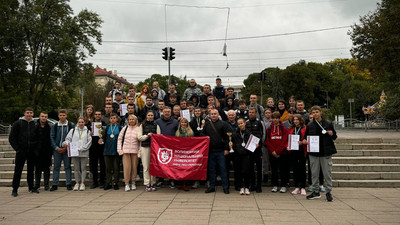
<point>124,109</point>
<point>293,141</point>
<point>96,128</point>
<point>73,149</point>
<point>252,142</point>
<point>185,114</point>
<point>313,144</point>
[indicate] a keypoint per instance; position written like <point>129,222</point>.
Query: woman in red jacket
<point>298,157</point>
<point>276,143</point>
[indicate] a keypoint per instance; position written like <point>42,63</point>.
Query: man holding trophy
<point>96,151</point>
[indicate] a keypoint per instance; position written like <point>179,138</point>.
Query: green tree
<point>43,46</point>
<point>376,44</point>
<point>180,83</point>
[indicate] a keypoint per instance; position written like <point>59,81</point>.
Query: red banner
<point>179,158</point>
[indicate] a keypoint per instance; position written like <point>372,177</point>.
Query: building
<point>102,77</point>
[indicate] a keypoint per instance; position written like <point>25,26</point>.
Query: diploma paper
<point>185,114</point>
<point>124,109</point>
<point>73,149</point>
<point>313,144</point>
<point>293,141</point>
<point>251,144</point>
<point>96,128</point>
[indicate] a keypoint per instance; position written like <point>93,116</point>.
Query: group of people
<point>108,138</point>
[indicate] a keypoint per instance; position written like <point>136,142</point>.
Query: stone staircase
<point>358,163</point>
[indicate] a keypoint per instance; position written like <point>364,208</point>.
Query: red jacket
<point>277,139</point>
<point>302,134</point>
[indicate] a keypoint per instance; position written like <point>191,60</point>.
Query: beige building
<point>102,77</point>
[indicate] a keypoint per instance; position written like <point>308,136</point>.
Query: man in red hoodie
<point>276,143</point>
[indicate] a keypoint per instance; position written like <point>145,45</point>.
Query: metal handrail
<point>367,124</point>
<point>5,130</point>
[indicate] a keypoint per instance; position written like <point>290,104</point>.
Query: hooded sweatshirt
<point>277,139</point>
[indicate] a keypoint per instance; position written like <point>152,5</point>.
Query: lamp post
<point>350,100</point>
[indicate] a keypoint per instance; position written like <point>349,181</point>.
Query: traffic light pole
<point>169,71</point>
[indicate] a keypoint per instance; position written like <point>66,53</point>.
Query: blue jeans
<point>57,165</point>
<point>217,159</point>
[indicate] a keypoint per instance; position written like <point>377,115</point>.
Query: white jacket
<point>85,141</point>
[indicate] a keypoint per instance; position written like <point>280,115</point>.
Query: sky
<point>258,34</point>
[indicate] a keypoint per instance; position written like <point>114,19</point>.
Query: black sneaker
<point>93,186</point>
<point>69,187</point>
<point>159,184</point>
<point>107,187</point>
<point>46,187</point>
<point>14,193</point>
<point>226,190</point>
<point>54,188</point>
<point>252,188</point>
<point>329,197</point>
<point>209,190</point>
<point>259,190</point>
<point>313,195</point>
<point>101,185</point>
<point>172,184</point>
<point>116,187</point>
<point>34,190</point>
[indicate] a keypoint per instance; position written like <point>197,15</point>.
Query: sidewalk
<point>168,206</point>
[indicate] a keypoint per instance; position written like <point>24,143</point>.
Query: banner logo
<point>164,155</point>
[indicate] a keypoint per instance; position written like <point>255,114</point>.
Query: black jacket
<point>44,149</point>
<point>23,137</point>
<point>238,140</point>
<point>326,144</point>
<point>219,140</point>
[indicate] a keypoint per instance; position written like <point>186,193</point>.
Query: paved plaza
<point>170,206</point>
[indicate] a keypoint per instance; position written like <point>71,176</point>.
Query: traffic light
<point>262,76</point>
<point>171,53</point>
<point>165,53</point>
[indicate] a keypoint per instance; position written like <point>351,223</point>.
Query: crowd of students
<point>125,139</point>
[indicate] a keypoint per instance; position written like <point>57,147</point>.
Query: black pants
<point>95,158</point>
<point>112,168</point>
<point>321,175</point>
<point>242,170</point>
<point>230,165</point>
<point>280,168</point>
<point>256,158</point>
<point>20,159</point>
<point>43,164</point>
<point>299,168</point>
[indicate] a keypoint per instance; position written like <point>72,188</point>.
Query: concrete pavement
<point>168,206</point>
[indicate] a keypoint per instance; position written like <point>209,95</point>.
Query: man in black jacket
<point>23,140</point>
<point>323,158</point>
<point>44,150</point>
<point>217,130</point>
<point>254,125</point>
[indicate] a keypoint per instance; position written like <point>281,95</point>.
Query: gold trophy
<point>100,131</point>
<point>230,141</point>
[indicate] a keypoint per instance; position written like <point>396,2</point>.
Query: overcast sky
<point>129,24</point>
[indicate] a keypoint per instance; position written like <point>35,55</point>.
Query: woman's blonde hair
<point>189,130</point>
<point>135,118</point>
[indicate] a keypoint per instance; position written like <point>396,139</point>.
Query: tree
<point>43,46</point>
<point>376,44</point>
<point>180,83</point>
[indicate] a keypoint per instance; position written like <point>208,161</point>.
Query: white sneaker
<point>133,187</point>
<point>127,188</point>
<point>76,187</point>
<point>82,187</point>
<point>246,191</point>
<point>283,190</point>
<point>241,192</point>
<point>275,189</point>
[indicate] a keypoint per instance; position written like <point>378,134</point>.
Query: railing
<point>5,130</point>
<point>367,124</point>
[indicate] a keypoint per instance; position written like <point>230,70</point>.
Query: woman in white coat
<point>81,136</point>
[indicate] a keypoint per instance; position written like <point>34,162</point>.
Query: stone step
<point>88,182</point>
<point>366,160</point>
<point>367,183</point>
<point>10,174</point>
<point>10,167</point>
<point>366,175</point>
<point>366,167</point>
<point>367,146</point>
<point>358,140</point>
<point>6,161</point>
<point>356,153</point>
<point>6,148</point>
